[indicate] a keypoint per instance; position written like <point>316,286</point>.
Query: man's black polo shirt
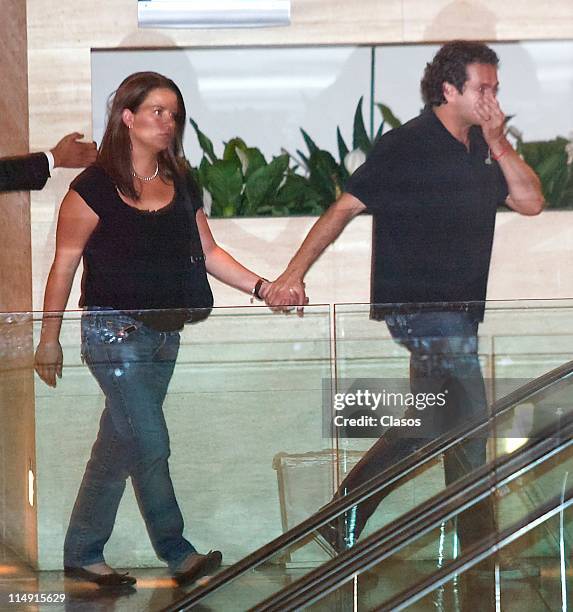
<point>433,205</point>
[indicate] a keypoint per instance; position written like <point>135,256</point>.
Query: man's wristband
<point>498,157</point>
<point>257,288</point>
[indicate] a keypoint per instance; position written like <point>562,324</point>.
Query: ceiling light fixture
<point>213,13</point>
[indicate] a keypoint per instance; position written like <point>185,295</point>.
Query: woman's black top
<point>134,259</point>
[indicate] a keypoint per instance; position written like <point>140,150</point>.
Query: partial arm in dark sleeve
<point>24,173</point>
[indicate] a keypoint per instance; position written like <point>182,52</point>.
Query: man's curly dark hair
<point>449,65</point>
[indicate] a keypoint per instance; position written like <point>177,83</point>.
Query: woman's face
<point>152,125</point>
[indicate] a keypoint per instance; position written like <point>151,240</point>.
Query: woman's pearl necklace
<point>147,178</point>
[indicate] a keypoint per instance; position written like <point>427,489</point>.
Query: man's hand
<point>264,292</point>
<point>69,153</point>
<point>286,292</point>
<point>492,121</point>
<point>525,193</point>
<point>48,362</point>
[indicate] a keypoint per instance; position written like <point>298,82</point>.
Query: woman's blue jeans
<point>133,365</point>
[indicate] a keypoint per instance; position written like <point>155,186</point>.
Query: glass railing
<point>533,494</point>
<point>419,476</point>
<point>255,451</point>
<point>242,393</point>
<point>432,553</point>
<point>518,342</point>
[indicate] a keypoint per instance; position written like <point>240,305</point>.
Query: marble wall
<point>17,445</point>
<point>61,37</point>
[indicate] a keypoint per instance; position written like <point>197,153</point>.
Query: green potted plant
<point>552,160</point>
<point>242,183</point>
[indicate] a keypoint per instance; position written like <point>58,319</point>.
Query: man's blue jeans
<point>443,356</point>
<point>133,365</point>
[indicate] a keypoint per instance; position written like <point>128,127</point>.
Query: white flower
<point>207,202</point>
<point>353,160</point>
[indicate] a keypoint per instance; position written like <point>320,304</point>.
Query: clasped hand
<point>287,293</point>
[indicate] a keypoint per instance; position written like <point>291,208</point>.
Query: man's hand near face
<point>492,122</point>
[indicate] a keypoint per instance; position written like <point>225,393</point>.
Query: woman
<point>132,216</point>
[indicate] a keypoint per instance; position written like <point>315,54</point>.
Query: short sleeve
<point>194,192</point>
<point>95,188</point>
<point>374,180</point>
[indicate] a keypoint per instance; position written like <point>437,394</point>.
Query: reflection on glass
<point>245,374</point>
<point>528,551</point>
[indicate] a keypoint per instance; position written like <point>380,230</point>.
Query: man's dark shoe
<point>198,566</point>
<point>104,580</point>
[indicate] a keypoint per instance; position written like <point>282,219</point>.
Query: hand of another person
<point>48,362</point>
<point>70,153</point>
<point>285,293</point>
<point>263,291</point>
<point>492,119</point>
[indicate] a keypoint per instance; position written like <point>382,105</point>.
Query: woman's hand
<point>48,361</point>
<point>265,288</point>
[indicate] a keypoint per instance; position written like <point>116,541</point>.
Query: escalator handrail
<point>405,529</point>
<point>393,473</point>
<point>478,553</point>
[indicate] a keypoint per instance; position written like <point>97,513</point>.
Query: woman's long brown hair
<point>115,151</point>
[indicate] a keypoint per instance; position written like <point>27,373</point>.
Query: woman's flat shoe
<point>112,580</point>
<point>200,565</point>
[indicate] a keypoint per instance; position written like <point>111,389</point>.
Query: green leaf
<point>225,183</point>
<point>324,175</point>
<point>312,148</point>
<point>304,159</point>
<point>388,116</point>
<point>256,161</point>
<point>262,185</point>
<point>234,143</point>
<point>204,142</point>
<point>535,152</point>
<point>555,189</point>
<point>379,132</point>
<point>342,152</point>
<point>549,160</point>
<point>342,148</point>
<point>295,191</point>
<point>360,138</point>
<point>202,171</point>
<point>550,165</point>
<point>552,173</point>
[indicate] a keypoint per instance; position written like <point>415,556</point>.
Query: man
<point>29,172</point>
<point>432,186</point>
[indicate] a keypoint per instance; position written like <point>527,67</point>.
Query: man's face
<point>481,84</point>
